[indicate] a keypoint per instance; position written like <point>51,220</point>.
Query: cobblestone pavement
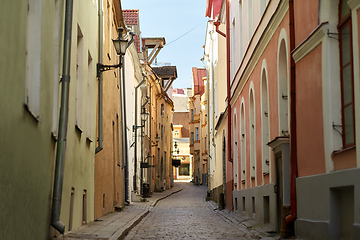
<point>185,215</point>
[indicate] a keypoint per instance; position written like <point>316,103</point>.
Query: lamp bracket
<point>102,67</point>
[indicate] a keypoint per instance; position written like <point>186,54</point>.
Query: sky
<point>173,19</point>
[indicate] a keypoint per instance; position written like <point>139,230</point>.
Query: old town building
<point>69,113</point>
<point>181,134</point>
<point>289,127</point>
<point>195,106</point>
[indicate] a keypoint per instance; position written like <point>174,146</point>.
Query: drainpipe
<point>208,119</point>
<point>124,129</point>
<point>228,84</point>
<point>63,122</point>
<point>100,80</point>
<point>217,24</point>
<point>293,144</point>
<point>135,130</point>
<point>150,136</point>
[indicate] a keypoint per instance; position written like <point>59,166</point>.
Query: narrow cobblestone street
<point>186,215</point>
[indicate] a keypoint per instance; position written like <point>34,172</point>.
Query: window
<point>262,7</point>
<point>250,12</point>
<point>192,138</point>
<point>176,133</point>
<point>234,48</point>
<point>184,169</point>
<point>56,67</point>
<point>162,110</point>
<point>162,132</point>
<point>283,91</point>
<point>79,78</point>
<point>71,214</point>
<point>241,38</point>
<point>192,114</point>
<point>265,122</point>
<point>33,58</point>
<point>252,138</point>
<point>346,75</point>
<point>84,208</point>
<point>196,134</point>
<point>243,143</point>
<point>89,97</point>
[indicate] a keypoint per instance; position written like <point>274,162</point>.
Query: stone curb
<point>125,231</point>
<point>157,200</point>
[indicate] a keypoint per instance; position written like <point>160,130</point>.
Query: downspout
<point>123,127</point>
<point>63,122</point>
<point>150,136</point>
<point>293,142</point>
<point>100,80</point>
<point>213,90</point>
<point>208,121</point>
<point>228,84</point>
<point>228,77</point>
<point>135,130</point>
<point>217,24</point>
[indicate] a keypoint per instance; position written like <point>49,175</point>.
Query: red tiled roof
<point>131,16</point>
<point>178,91</point>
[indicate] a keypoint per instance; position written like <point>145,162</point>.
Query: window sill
<point>343,150</point>
<point>78,128</point>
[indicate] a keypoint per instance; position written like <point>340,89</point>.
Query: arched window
<point>346,75</point>
<point>243,145</point>
<point>235,156</point>
<point>283,88</point>
<point>252,139</point>
<point>265,125</point>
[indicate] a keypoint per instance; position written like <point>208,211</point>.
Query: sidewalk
<point>116,225</point>
<point>245,224</point>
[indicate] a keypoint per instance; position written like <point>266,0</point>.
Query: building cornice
<point>315,38</point>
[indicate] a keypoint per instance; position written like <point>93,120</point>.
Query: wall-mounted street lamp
<point>120,45</point>
<point>177,150</point>
<point>144,115</point>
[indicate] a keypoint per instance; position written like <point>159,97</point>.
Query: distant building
<point>196,111</point>
<point>181,134</point>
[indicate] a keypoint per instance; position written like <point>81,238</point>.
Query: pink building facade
<point>293,74</point>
